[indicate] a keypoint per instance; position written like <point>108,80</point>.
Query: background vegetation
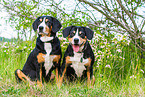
<point>118,45</point>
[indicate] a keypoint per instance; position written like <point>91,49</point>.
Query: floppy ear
<point>56,25</point>
<point>89,33</point>
<point>35,24</point>
<point>66,31</point>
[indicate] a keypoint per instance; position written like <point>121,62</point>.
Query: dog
<point>78,58</point>
<point>46,56</point>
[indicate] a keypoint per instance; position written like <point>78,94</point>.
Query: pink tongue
<point>76,48</point>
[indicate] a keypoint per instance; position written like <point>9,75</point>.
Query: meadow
<point>118,71</point>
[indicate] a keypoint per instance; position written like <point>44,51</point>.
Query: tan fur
<point>89,62</point>
<point>56,59</point>
<point>40,58</point>
<point>68,60</point>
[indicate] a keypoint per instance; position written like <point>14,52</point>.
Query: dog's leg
<point>93,80</point>
<point>56,61</point>
<point>61,78</point>
<point>88,64</point>
<point>41,59</point>
<point>21,75</point>
<point>67,61</point>
<point>88,76</point>
<point>39,82</point>
<point>56,72</point>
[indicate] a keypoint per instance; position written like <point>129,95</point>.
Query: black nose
<point>76,40</point>
<point>41,28</point>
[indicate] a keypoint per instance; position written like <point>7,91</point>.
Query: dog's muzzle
<point>41,28</point>
<point>76,41</point>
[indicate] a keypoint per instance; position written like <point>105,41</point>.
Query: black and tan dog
<point>79,58</point>
<point>47,54</point>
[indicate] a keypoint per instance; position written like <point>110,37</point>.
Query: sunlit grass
<point>118,72</point>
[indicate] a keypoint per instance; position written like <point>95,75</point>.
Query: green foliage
<point>117,70</point>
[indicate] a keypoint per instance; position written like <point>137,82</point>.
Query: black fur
<point>32,67</point>
<point>87,52</point>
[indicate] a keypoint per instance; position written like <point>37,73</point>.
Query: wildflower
<point>99,60</point>
<point>97,66</point>
<point>99,51</point>
<point>3,46</point>
<point>25,47</point>
<point>107,56</point>
<point>141,70</point>
<point>102,46</point>
<point>108,66</point>
<point>122,57</point>
<point>5,43</point>
<point>133,76</point>
<point>119,50</point>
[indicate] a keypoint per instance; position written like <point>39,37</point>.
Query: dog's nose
<point>76,40</point>
<point>40,28</point>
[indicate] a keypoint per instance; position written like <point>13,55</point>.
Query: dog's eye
<point>46,20</point>
<point>40,20</point>
<point>72,34</point>
<point>82,35</point>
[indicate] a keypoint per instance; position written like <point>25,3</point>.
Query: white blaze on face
<point>43,25</point>
<point>77,48</point>
<point>76,36</point>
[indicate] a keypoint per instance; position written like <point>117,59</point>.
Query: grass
<point>123,78</point>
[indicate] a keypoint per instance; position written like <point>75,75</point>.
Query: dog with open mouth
<point>47,54</point>
<point>78,58</point>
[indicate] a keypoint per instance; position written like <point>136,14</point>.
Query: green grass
<point>123,78</point>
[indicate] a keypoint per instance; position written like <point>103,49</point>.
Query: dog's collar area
<point>50,40</point>
<point>47,39</point>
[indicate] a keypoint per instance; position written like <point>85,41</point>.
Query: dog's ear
<point>56,25</point>
<point>66,31</point>
<point>89,33</point>
<point>35,24</point>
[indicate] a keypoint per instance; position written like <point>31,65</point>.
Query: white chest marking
<point>76,36</point>
<point>77,64</point>
<point>46,38</point>
<point>48,59</point>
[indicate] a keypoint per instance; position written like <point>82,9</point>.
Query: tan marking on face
<point>48,30</point>
<point>46,20</point>
<point>80,32</point>
<point>40,58</point>
<point>74,32</point>
<point>70,40</point>
<point>89,62</point>
<point>40,20</point>
<point>56,59</point>
<point>68,60</point>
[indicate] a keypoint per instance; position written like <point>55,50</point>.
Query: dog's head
<point>77,36</point>
<point>46,25</point>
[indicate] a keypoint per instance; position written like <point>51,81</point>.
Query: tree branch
<point>128,13</point>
